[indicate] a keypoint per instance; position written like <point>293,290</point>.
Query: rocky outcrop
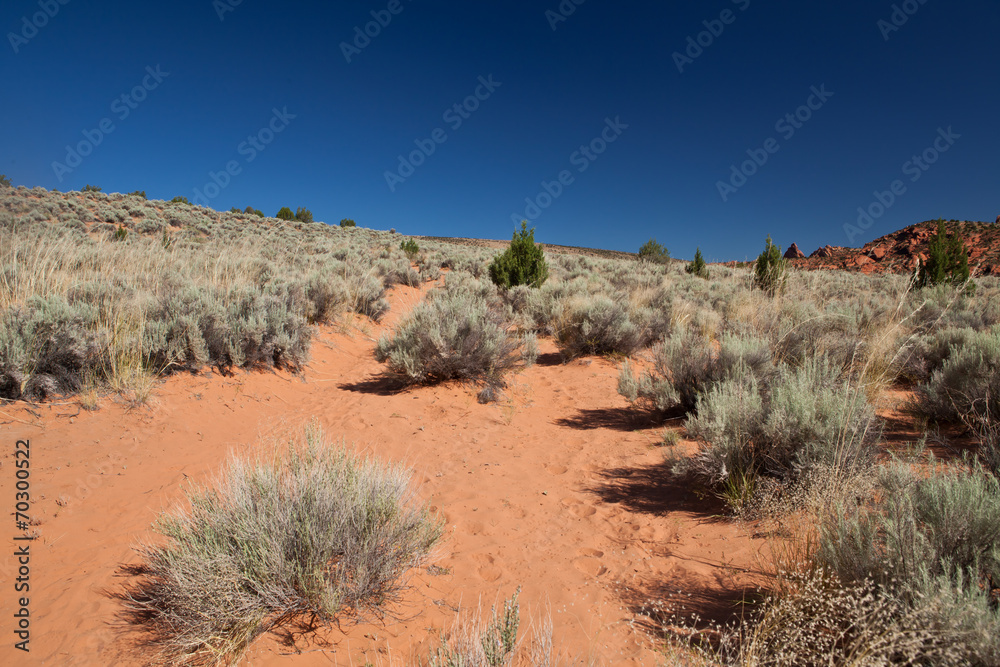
<point>793,252</point>
<point>900,251</point>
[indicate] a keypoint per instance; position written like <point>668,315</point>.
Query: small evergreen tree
<point>522,263</point>
<point>180,199</point>
<point>254,211</point>
<point>4,181</point>
<point>347,222</point>
<point>769,269</point>
<point>947,260</point>
<point>697,266</point>
<point>285,214</point>
<point>651,251</point>
<point>141,194</point>
<point>303,215</point>
<point>91,188</point>
<point>410,247</point>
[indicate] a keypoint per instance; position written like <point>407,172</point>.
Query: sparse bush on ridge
<point>180,199</point>
<point>303,215</point>
<point>697,267</point>
<point>285,213</point>
<point>4,181</point>
<point>769,269</point>
<point>653,252</point>
<point>309,531</point>
<point>347,222</point>
<point>522,263</point>
<point>91,188</point>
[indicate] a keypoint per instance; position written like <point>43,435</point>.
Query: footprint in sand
<point>557,469</point>
<point>592,553</point>
<point>582,511</point>
<point>591,567</point>
<point>487,570</point>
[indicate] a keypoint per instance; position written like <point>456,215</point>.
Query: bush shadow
<point>654,489</point>
<point>616,419</point>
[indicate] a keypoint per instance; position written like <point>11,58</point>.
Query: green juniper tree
<point>769,269</point>
<point>947,260</point>
<point>697,267</point>
<point>651,251</point>
<point>522,263</point>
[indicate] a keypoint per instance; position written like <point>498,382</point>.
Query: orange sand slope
<point>556,489</point>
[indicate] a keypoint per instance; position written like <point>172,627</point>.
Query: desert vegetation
<point>310,529</point>
<point>773,383</point>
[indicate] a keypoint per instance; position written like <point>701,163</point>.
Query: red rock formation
<point>793,252</point>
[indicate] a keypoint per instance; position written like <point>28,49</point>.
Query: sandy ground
<point>558,489</point>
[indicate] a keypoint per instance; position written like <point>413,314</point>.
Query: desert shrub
<point>285,213</point>
<point>597,325</point>
<point>820,620</point>
<point>4,181</point>
<point>46,347</point>
<point>347,222</point>
<point>250,210</point>
<point>522,263</point>
<point>410,247</point>
<point>180,199</point>
<point>366,294</point>
<point>685,367</point>
<point>967,384</point>
<point>303,215</point>
<point>769,269</point>
<point>91,188</point>
<point>310,530</point>
<point>651,251</point>
<point>947,260</point>
<point>455,334</point>
<point>802,419</point>
<point>480,641</point>
<point>141,194</point>
<point>697,267</point>
<point>933,543</point>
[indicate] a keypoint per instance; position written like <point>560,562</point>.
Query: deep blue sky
<point>658,179</point>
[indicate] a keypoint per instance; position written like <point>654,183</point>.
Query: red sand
<point>556,489</point>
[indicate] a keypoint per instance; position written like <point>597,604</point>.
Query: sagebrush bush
<point>454,334</point>
<point>311,530</point>
<point>597,326</point>
<point>798,420</point>
<point>685,366</point>
<point>967,383</point>
<point>522,263</point>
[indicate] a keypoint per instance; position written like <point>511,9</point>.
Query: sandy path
<point>557,490</point>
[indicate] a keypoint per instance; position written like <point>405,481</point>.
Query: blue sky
<point>662,131</point>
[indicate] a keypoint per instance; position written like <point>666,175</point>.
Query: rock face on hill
<point>900,251</point>
<point>793,252</point>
